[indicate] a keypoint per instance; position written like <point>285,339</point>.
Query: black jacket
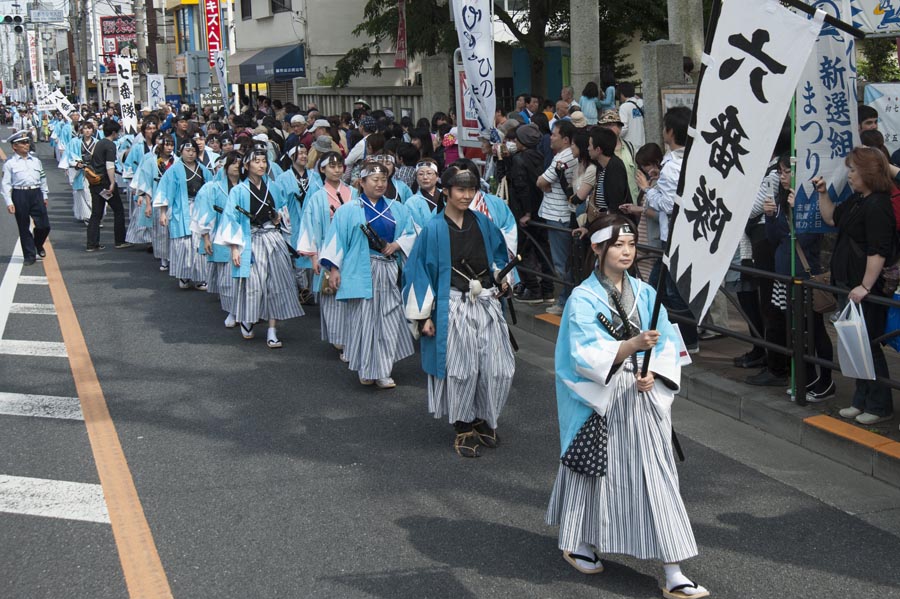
<point>524,194</point>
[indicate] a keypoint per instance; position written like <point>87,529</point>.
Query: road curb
<point>842,442</point>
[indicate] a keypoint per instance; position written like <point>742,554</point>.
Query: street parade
<point>584,335</point>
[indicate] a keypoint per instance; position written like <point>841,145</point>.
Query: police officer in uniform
<point>24,189</point>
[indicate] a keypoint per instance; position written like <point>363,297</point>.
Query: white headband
<point>606,233</point>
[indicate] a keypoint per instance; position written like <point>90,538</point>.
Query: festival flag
<point>126,95</point>
<point>826,120</point>
<point>881,17</point>
<point>476,43</point>
<point>156,90</point>
<point>220,64</point>
<point>756,55</point>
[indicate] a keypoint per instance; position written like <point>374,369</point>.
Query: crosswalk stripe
<point>48,309</point>
<point>52,499</point>
<point>16,347</point>
<point>8,285</point>
<point>40,406</point>
<point>32,280</point>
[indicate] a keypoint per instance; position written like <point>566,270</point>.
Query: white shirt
<point>662,196</point>
<point>357,153</point>
<point>556,205</point>
<point>632,121</point>
<point>22,172</point>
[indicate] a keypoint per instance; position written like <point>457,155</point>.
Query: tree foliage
<point>429,31</point>
<point>879,61</point>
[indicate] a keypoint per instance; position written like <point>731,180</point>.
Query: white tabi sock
<point>230,320</point>
<point>674,577</point>
<point>271,336</point>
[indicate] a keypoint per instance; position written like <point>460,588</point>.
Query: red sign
<point>213,29</point>
<point>117,33</point>
<point>400,53</point>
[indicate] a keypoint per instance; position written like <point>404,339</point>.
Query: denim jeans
<point>671,299</point>
<point>560,252</point>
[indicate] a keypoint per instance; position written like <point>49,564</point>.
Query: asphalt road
<point>273,473</point>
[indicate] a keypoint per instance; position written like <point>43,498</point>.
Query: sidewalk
<point>713,381</point>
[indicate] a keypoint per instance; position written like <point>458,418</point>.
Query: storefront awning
<point>281,63</point>
<point>234,64</point>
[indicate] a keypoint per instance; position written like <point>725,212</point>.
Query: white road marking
<point>40,406</point>
<point>32,280</point>
<point>47,309</point>
<point>8,285</point>
<point>52,499</point>
<point>49,349</point>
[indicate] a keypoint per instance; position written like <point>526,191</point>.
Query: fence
<point>402,100</point>
<point>800,332</point>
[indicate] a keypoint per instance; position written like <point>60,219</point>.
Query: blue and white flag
<point>476,43</point>
<point>876,16</point>
<point>156,90</point>
<point>826,120</point>
<point>757,54</point>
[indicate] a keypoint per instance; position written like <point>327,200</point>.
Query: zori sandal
<point>676,592</point>
<point>587,565</point>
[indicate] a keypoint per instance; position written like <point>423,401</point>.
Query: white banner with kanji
<point>62,104</point>
<point>126,95</point>
<point>476,43</point>
<point>877,16</point>
<point>221,66</point>
<point>156,90</point>
<point>826,126</point>
<point>758,53</point>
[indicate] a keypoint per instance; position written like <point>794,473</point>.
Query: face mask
<point>511,146</point>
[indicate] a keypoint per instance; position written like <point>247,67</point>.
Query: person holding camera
<point>100,173</point>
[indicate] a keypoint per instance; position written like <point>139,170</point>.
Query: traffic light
<point>16,21</point>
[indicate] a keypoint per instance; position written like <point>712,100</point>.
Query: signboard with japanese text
<point>42,96</point>
<point>156,90</point>
<point>877,16</point>
<point>61,103</point>
<point>826,120</point>
<point>213,29</point>
<point>117,33</point>
<point>885,98</point>
<point>126,94</point>
<point>468,130</point>
<point>476,45</point>
<point>678,96</point>
<point>31,40</point>
<point>757,54</point>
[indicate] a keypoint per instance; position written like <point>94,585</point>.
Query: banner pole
<point>794,288</point>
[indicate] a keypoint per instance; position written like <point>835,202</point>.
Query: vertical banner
<point>213,31</point>
<point>42,96</point>
<point>826,126</point>
<point>877,16</point>
<point>126,94</point>
<point>31,38</point>
<point>757,54</point>
<point>400,53</point>
<point>885,98</point>
<point>156,90</point>
<point>221,66</point>
<point>476,44</point>
<point>62,104</point>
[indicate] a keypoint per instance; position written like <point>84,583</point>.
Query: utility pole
<point>140,26</point>
<point>83,11</point>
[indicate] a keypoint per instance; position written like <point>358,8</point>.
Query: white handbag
<point>853,346</point>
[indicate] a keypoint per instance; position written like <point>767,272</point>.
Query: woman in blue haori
<point>209,206</point>
<point>174,199</point>
<point>628,503</point>
<point>153,166</point>
<point>450,290</point>
<point>317,215</point>
<point>78,153</point>
<point>265,288</point>
<point>297,185</point>
<point>140,226</point>
<point>428,200</point>
<point>366,241</point>
<point>205,156</point>
<point>397,190</point>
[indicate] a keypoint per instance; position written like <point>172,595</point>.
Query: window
<point>246,9</point>
<point>280,6</point>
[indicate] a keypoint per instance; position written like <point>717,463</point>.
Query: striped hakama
<point>636,509</point>
<point>379,335</point>
<point>333,315</point>
<point>140,227</point>
<point>220,281</point>
<point>480,361</point>
<point>269,292</point>
<point>185,261</point>
<point>160,238</point>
